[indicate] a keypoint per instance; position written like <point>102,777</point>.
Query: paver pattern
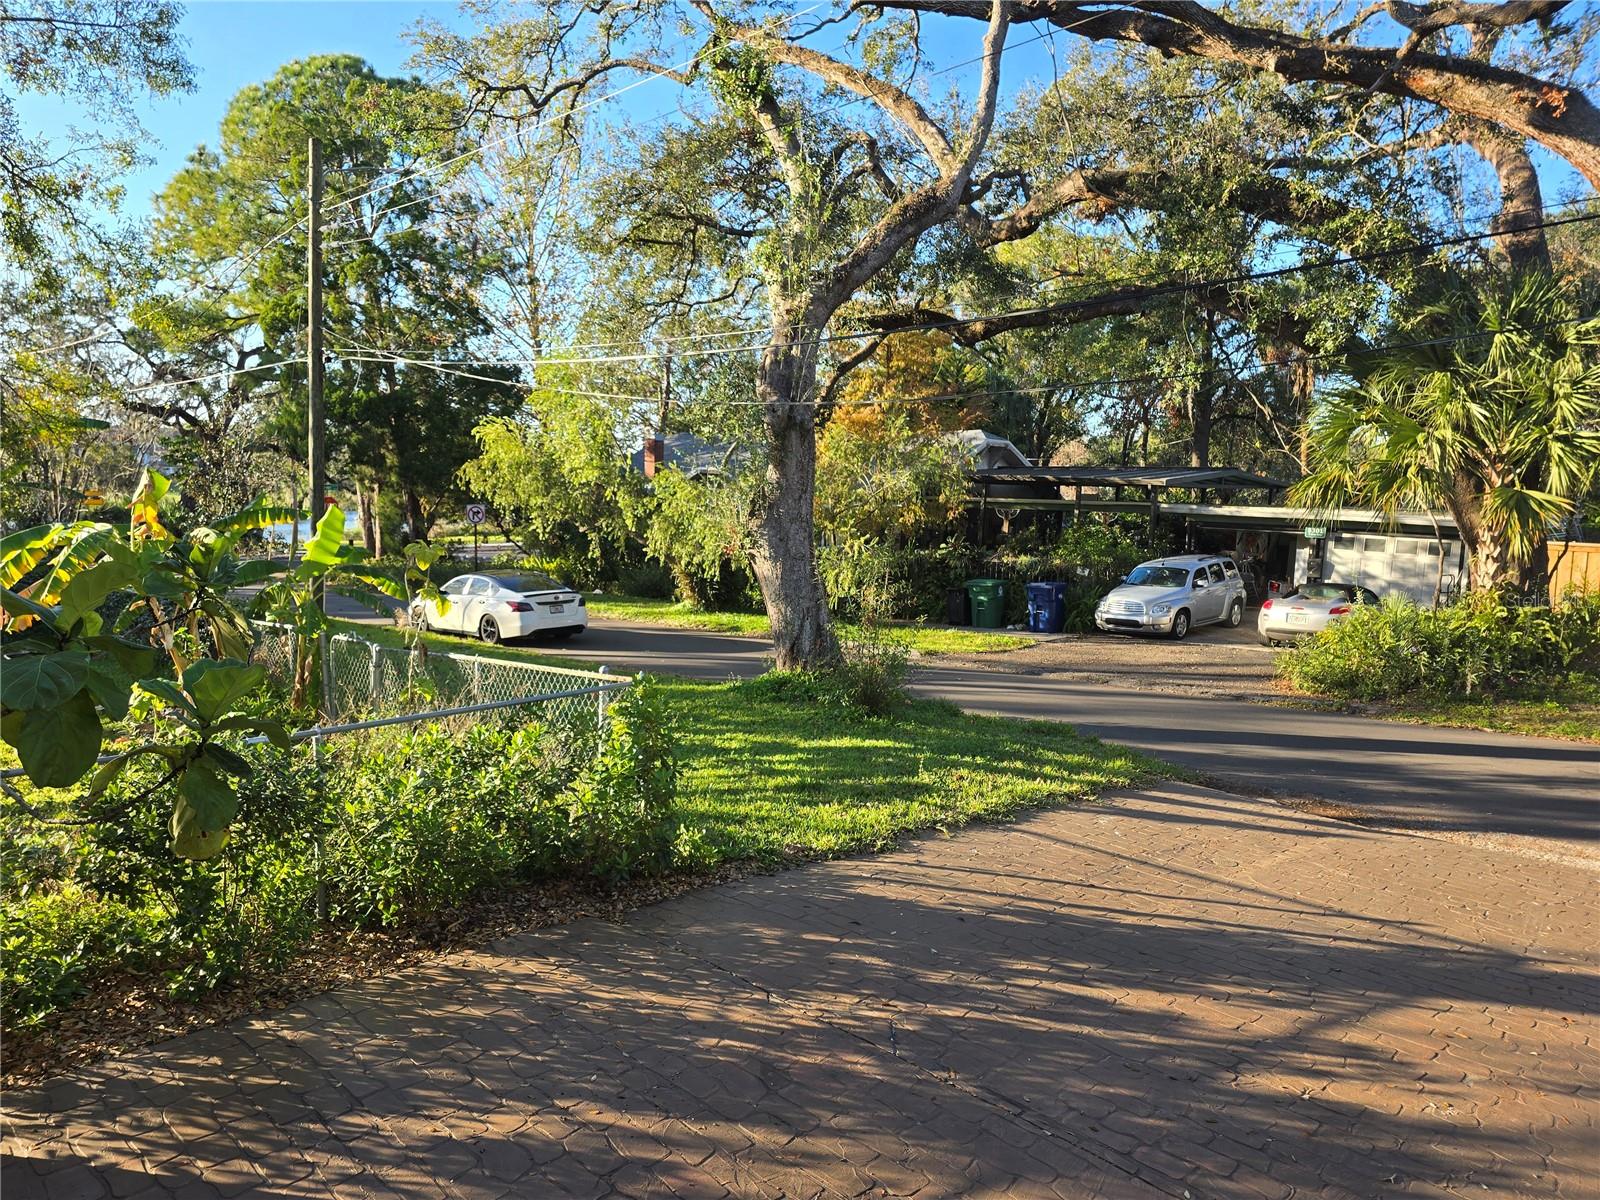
<point>1176,993</point>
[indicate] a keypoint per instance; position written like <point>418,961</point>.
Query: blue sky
<point>233,43</point>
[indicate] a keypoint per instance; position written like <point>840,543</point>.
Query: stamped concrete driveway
<point>1173,994</point>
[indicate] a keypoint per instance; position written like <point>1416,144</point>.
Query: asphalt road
<point>1453,779</point>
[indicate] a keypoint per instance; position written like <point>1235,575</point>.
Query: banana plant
<point>326,564</point>
<point>67,682</point>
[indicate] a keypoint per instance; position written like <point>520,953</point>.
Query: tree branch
<point>1559,117</point>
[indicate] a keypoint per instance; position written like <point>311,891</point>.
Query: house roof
<point>979,442</point>
<point>1158,477</point>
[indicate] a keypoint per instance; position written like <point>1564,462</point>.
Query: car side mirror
<point>1199,584</point>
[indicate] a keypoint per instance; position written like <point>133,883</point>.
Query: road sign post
<point>475,515</point>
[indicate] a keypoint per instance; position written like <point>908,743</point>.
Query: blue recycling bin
<point>1047,607</point>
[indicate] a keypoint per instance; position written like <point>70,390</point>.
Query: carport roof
<point>1161,477</point>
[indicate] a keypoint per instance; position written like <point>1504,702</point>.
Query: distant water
<point>352,521</point>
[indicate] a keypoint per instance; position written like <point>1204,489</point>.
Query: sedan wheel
<point>1235,614</point>
<point>1180,625</point>
<point>1266,641</point>
<point>489,630</point>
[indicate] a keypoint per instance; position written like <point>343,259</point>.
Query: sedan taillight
<point>519,606</point>
<point>1338,610</point>
<point>1266,604</point>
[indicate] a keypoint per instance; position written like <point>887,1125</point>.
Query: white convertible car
<point>501,607</point>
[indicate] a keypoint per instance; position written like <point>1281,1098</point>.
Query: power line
<point>1082,302</point>
<point>162,383</point>
<point>1175,376</point>
<point>383,356</point>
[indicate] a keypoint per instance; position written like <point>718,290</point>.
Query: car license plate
<point>1297,618</point>
<point>555,608</point>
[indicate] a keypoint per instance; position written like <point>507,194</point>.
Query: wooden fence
<point>1574,565</point>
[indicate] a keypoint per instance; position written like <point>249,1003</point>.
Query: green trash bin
<point>988,603</point>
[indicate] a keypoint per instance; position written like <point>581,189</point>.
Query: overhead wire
<point>1172,289</point>
<point>226,372</point>
<point>1072,386</point>
<point>374,355</point>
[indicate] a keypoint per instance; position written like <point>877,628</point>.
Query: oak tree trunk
<point>365,497</point>
<point>782,547</point>
<point>416,523</point>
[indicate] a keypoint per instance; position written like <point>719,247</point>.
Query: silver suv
<point>1173,595</point>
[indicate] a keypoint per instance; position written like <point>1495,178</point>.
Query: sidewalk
<point>1177,992</point>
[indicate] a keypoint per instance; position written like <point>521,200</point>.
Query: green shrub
<point>52,943</point>
<point>619,811</point>
<point>1480,646</point>
<point>407,822</point>
<point>872,672</point>
<point>427,819</point>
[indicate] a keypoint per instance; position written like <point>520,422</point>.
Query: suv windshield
<point>531,582</point>
<point>1167,577</point>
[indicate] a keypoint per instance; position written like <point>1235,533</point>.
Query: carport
<point>1408,553</point>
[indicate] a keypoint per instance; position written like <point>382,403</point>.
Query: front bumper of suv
<point>1131,623</point>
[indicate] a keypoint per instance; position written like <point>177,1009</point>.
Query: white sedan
<point>502,607</point>
<point>1313,607</point>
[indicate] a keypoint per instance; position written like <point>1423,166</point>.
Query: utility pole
<point>665,406</point>
<point>315,454</point>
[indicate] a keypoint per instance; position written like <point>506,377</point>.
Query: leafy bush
<point>870,676</point>
<point>619,811</point>
<point>872,672</point>
<point>407,823</point>
<point>428,819</point>
<point>52,942</point>
<point>649,580</point>
<point>1480,646</point>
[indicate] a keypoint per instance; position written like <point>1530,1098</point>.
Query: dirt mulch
<point>123,1013</point>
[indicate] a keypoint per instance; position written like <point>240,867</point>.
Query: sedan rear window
<point>1168,577</point>
<point>1324,591</point>
<point>533,581</point>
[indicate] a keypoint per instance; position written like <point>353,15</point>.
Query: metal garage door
<point>1389,565</point>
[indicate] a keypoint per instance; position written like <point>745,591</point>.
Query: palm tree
<point>1496,419</point>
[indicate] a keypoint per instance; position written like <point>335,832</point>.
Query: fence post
<point>372,675</point>
<point>477,680</point>
<point>325,647</point>
<point>322,879</point>
<point>600,705</point>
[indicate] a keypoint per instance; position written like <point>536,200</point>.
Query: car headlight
<point>1160,610</point>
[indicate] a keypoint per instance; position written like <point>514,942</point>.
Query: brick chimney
<point>655,453</point>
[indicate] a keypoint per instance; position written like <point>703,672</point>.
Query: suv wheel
<point>1180,625</point>
<point>1235,614</point>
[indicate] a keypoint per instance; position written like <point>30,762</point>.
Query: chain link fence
<point>361,681</point>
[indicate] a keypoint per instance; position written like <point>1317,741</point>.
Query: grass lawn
<point>776,778</point>
<point>769,778</point>
<point>671,612</point>
<point>1570,710</point>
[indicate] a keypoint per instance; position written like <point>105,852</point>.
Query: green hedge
<point>1481,646</point>
<point>410,820</point>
